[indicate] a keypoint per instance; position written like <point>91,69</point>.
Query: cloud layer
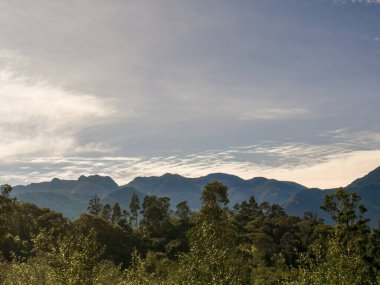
<point>38,118</point>
<point>332,165</point>
<point>129,88</point>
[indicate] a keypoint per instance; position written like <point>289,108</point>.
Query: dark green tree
<point>94,206</point>
<point>6,190</point>
<point>134,208</point>
<point>214,257</point>
<point>156,215</point>
<point>214,197</point>
<point>116,213</point>
<point>345,208</point>
<point>183,211</point>
<point>106,212</point>
<point>246,212</point>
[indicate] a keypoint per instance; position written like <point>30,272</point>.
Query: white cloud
<point>40,118</point>
<point>336,164</point>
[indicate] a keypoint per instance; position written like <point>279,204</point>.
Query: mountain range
<point>71,197</point>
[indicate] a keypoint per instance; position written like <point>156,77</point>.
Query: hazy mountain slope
<point>123,196</point>
<point>180,188</point>
<point>368,187</point>
<point>71,196</point>
<point>372,178</point>
<point>274,191</point>
<point>69,206</point>
<point>307,200</point>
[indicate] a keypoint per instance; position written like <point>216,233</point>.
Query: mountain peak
<point>104,181</point>
<point>371,178</point>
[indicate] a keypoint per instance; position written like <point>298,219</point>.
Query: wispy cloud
<point>349,156</point>
<point>274,114</point>
<point>358,1</point>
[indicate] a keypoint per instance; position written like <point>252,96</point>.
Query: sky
<point>283,89</point>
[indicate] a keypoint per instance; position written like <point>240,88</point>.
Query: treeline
<point>150,244</point>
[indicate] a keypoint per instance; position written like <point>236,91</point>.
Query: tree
<point>6,190</point>
<point>74,258</point>
<point>344,208</point>
<point>106,212</point>
<point>330,264</point>
<point>116,213</point>
<point>183,211</point>
<point>213,197</point>
<point>155,212</point>
<point>246,212</point>
<point>94,206</point>
<point>134,207</point>
<point>214,257</point>
<point>118,242</point>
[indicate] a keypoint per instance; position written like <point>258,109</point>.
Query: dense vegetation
<point>150,244</point>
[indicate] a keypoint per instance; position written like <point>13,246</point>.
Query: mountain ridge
<point>295,198</point>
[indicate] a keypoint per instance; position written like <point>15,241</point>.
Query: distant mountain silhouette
<point>180,188</point>
<point>368,187</point>
<point>71,196</point>
<point>372,178</point>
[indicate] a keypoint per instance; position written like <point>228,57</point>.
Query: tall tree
<point>134,208</point>
<point>94,206</point>
<point>106,212</point>
<point>6,190</point>
<point>116,213</point>
<point>183,211</point>
<point>344,208</point>
<point>155,212</point>
<point>214,197</point>
<point>213,257</point>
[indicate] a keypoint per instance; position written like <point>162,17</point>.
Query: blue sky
<point>282,89</point>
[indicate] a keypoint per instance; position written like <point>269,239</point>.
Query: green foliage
<point>116,213</point>
<point>332,265</point>
<point>344,208</point>
<point>106,212</point>
<point>183,211</point>
<point>94,206</point>
<point>134,208</point>
<point>74,258</point>
<point>6,190</point>
<point>33,272</point>
<point>118,241</point>
<point>156,216</point>
<point>213,197</point>
<point>214,257</point>
<point>251,244</point>
<point>137,275</point>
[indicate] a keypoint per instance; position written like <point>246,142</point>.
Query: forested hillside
<point>148,243</point>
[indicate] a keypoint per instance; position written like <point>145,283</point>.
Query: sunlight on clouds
<point>336,171</point>
<point>323,166</point>
<point>38,117</point>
